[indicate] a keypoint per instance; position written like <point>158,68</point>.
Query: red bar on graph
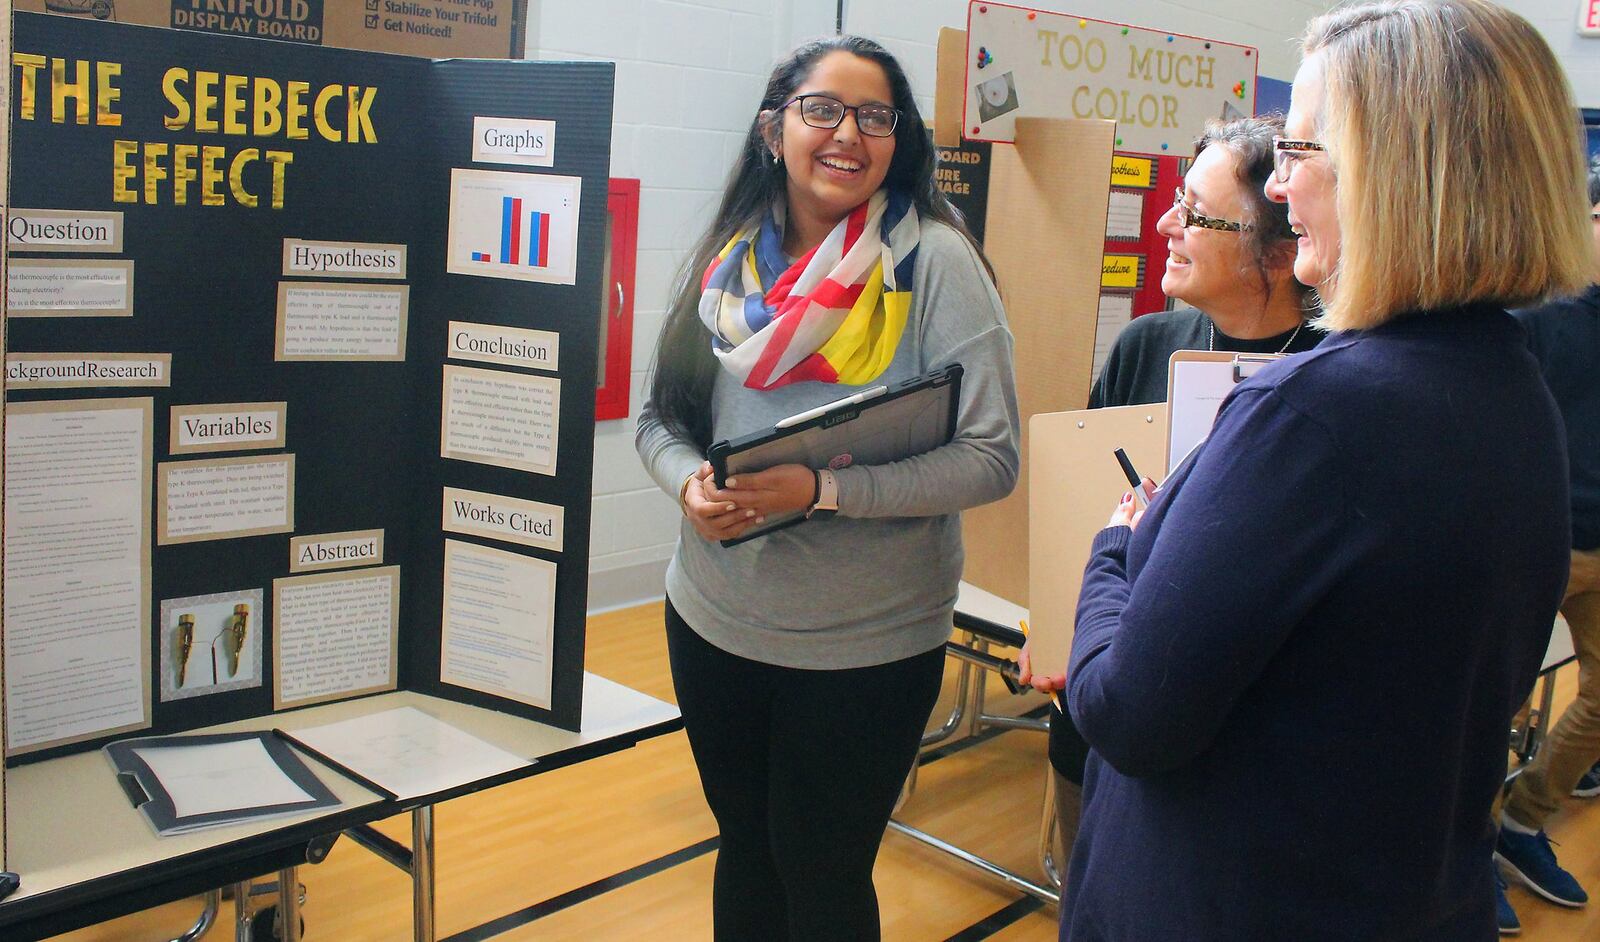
<point>544,240</point>
<point>516,231</point>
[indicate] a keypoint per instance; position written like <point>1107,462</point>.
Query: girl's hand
<point>785,488</point>
<point>712,517</point>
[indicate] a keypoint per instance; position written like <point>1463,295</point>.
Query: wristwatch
<point>827,495</point>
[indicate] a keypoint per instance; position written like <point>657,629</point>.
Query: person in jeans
<point>1565,336</point>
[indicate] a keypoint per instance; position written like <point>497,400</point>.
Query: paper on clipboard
<point>1076,483</point>
<point>223,776</point>
<point>1197,382</point>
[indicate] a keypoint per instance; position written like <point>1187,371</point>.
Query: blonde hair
<point>1455,143</point>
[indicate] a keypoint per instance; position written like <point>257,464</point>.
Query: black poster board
<point>963,176</point>
<point>365,434</point>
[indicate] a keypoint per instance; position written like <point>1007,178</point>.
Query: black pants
<point>801,769</point>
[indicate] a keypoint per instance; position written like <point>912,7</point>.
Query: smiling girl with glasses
<point>806,661</point>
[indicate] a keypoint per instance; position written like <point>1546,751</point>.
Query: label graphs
<point>513,225</point>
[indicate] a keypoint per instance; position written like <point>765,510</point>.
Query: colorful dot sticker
<point>1082,23</point>
<point>1169,39</point>
<point>1163,146</point>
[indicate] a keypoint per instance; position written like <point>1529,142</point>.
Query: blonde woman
<point>1296,668</point>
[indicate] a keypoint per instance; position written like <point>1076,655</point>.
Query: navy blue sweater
<point>1297,675</point>
<point>1565,336</point>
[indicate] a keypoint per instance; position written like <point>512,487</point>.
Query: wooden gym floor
<point>622,847</point>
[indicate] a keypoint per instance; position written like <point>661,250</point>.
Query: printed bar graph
<point>514,225</point>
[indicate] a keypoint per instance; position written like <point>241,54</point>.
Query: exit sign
<point>1589,17</point>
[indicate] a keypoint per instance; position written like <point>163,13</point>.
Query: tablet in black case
<point>907,419</point>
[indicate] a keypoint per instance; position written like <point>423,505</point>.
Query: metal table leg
<point>1043,893</point>
<point>289,904</point>
<point>422,874</point>
<point>241,911</point>
<point>1047,833</point>
<point>208,918</point>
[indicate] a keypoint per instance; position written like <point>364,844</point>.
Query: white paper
<point>498,517</point>
<point>500,418</point>
<point>336,634</point>
<point>499,622</point>
<point>90,287</point>
<point>1125,215</point>
<point>76,488</point>
<point>531,143</point>
<point>1116,310</point>
<point>349,322</point>
<point>227,497</point>
<point>224,776</point>
<point>408,752</point>
<point>1198,388</point>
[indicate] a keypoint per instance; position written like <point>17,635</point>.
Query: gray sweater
<point>877,582</point>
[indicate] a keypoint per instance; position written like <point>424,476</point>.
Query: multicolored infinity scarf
<point>834,316</point>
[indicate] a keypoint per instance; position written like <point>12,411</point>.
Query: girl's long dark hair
<point>685,368</point>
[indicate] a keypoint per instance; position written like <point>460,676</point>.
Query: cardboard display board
<point>1076,484</point>
<point>288,390</point>
<point>484,29</point>
<point>1046,225</point>
<point>1159,87</point>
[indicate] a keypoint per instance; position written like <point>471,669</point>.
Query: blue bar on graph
<point>534,245</point>
<point>506,223</point>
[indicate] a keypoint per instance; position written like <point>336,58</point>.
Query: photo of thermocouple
<point>210,643</point>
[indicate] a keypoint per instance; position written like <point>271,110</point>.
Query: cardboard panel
<point>949,72</point>
<point>481,29</point>
<point>1045,231</point>
<point>1077,482</point>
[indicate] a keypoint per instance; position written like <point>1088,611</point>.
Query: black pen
<point>1133,478</point>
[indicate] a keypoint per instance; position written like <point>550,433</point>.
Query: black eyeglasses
<point>825,112</point>
<point>1188,218</point>
<point>1286,151</point>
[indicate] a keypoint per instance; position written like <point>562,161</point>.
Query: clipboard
<point>875,426</point>
<point>162,803</point>
<point>1076,483</point>
<point>1197,382</point>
